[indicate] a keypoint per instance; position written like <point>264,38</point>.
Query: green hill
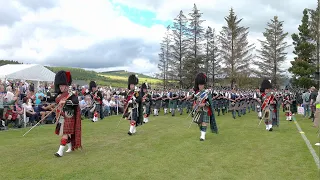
<point>122,77</point>
<point>123,73</point>
<point>112,78</point>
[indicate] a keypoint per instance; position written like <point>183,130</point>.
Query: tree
<point>235,49</point>
<point>301,70</point>
<point>194,59</point>
<point>162,65</point>
<point>179,47</point>
<point>164,56</point>
<point>211,65</point>
<point>272,52</point>
<point>304,49</point>
<point>315,31</point>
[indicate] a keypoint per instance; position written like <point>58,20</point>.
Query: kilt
<point>98,108</point>
<point>65,126</point>
<point>201,117</point>
<point>205,117</point>
<point>173,104</point>
<point>165,104</point>
<point>146,108</point>
<point>134,114</point>
<point>157,104</point>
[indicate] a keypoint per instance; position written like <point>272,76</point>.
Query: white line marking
<point>312,151</point>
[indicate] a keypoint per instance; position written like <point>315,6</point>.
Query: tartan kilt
<point>98,108</point>
<point>157,104</point>
<point>134,114</point>
<point>165,104</point>
<point>203,117</point>
<point>147,109</point>
<point>65,126</point>
<point>174,104</point>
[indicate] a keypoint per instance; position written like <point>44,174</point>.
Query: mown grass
<point>163,149</point>
<point>310,132</point>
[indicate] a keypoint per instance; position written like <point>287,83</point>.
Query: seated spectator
<point>30,112</point>
<point>39,97</point>
<point>19,110</point>
<point>113,106</point>
<point>46,109</point>
<point>83,106</point>
<point>106,106</point>
<point>12,116</point>
<point>10,95</point>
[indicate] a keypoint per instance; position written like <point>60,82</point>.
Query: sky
<point>122,34</point>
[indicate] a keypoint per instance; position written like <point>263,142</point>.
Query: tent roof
<point>32,72</point>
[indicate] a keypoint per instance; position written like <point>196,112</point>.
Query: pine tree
<point>179,47</point>
<point>235,49</point>
<point>302,67</point>
<point>211,65</point>
<point>272,51</point>
<point>164,57</point>
<point>193,62</point>
<point>315,31</point>
<point>162,65</point>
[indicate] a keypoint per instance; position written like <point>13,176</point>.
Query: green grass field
<point>125,79</point>
<point>164,149</point>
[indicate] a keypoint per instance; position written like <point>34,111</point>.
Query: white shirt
<point>112,103</point>
<point>106,102</point>
<point>9,96</point>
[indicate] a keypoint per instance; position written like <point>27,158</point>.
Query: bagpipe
<point>59,107</point>
<point>93,98</point>
<point>145,97</point>
<point>264,106</point>
<point>200,98</point>
<point>130,99</point>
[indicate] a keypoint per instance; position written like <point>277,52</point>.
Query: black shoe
<point>57,155</point>
<point>130,133</point>
<point>201,139</point>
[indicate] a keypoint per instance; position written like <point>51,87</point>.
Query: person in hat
<point>287,103</point>
<point>68,114</point>
<point>146,102</point>
<point>267,100</point>
<point>97,98</point>
<point>132,107</point>
<point>204,110</point>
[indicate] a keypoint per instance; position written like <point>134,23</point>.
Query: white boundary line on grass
<point>312,151</point>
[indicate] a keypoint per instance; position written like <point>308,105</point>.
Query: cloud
<point>255,14</point>
<point>10,12</point>
<point>90,35</point>
<point>120,34</point>
<point>38,4</point>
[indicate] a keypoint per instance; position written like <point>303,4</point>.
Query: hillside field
<point>164,149</point>
<point>122,77</point>
<point>114,78</point>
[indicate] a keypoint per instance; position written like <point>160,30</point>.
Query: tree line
<point>188,48</point>
<point>305,66</point>
<point>5,62</point>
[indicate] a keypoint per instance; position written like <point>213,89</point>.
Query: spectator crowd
<point>20,100</point>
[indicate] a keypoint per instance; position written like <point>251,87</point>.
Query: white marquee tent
<point>31,72</point>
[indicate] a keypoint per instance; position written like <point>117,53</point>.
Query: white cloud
<point>93,22</point>
<point>96,33</point>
